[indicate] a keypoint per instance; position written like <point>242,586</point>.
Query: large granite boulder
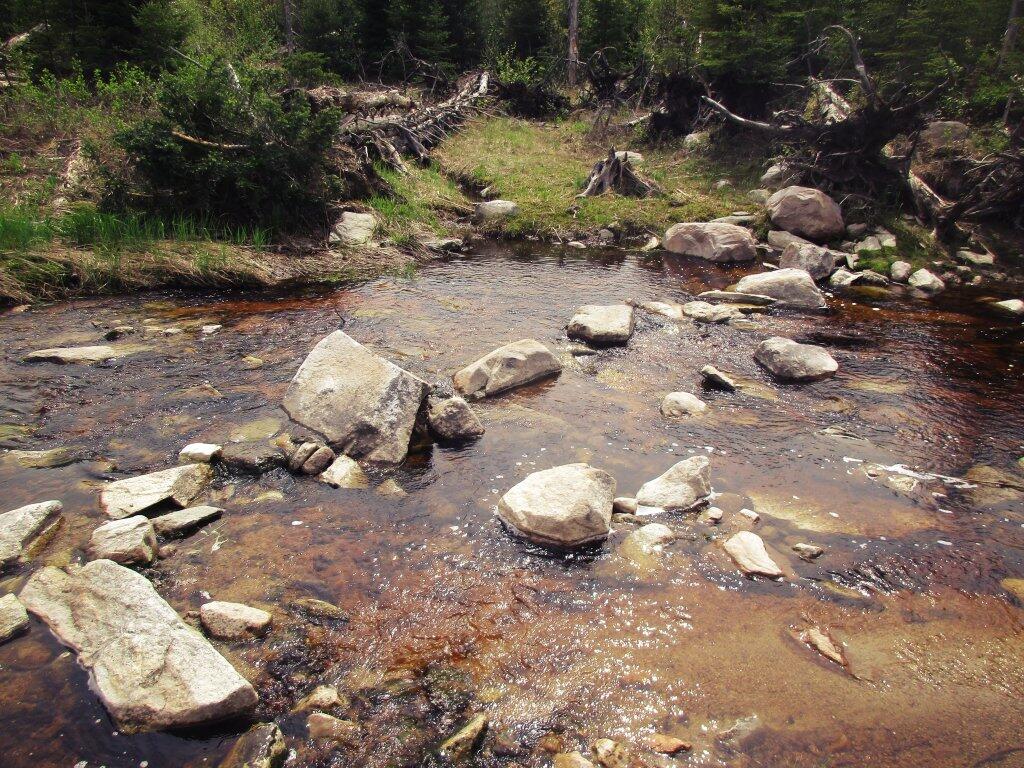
<point>806,212</point>
<point>790,361</point>
<point>789,288</point>
<point>565,506</point>
<point>602,324</point>
<point>512,365</point>
<point>714,241</point>
<point>150,669</point>
<point>816,261</point>
<point>124,498</point>
<point>25,528</point>
<point>682,487</point>
<point>363,405</point>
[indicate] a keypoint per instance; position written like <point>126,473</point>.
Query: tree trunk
<point>289,27</point>
<point>1013,26</point>
<point>574,43</point>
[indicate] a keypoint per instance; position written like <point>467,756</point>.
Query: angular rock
<point>183,521</point>
<point>318,610</point>
<point>463,742</point>
<point>149,668</point>
<point>610,754</point>
<point>789,287</point>
<point>602,324</point>
<point>252,456</point>
<point>353,229</point>
<point>818,262</point>
<point>68,355</point>
<point>364,405</point>
<point>736,297</point>
<point>925,281</point>
<point>181,485</point>
<point>624,505</point>
<point>13,618</point>
<point>684,486</point>
<point>391,489</point>
<point>234,621</point>
<point>667,745</point>
<point>512,365</point>
<point>25,529</point>
<point>663,308</point>
<point>790,361</point>
<point>715,378</point>
<point>452,418</point>
<point>199,453</point>
<point>496,210</point>
<point>808,551</point>
<point>1009,307</point>
<point>318,461</point>
<point>345,473</point>
<point>778,175</point>
<point>262,746</point>
<point>715,241</point>
<point>566,506</point>
<point>649,538</point>
<point>977,259</point>
<point>806,212</point>
<point>323,727</point>
<point>129,541</point>
<point>323,698</point>
<point>299,455</point>
<point>780,239</point>
<point>678,404</point>
<point>748,552</point>
<point>842,278</point>
<point>49,459</point>
<point>821,641</point>
<point>703,312</point>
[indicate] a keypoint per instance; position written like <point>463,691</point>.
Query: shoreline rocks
<point>789,287</point>
<point>13,618</point>
<point>714,241</point>
<point>128,541</point>
<point>816,261</point>
<point>806,212</point>
<point>513,365</point>
<point>24,529</point>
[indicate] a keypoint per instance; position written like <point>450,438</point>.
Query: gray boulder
<point>27,528</point>
<point>790,361</point>
<point>789,287</point>
<point>602,324</point>
<point>719,242</point>
<point>677,404</point>
<point>778,175</point>
<point>353,229</point>
<point>129,541</point>
<point>806,212</point>
<point>363,405</point>
<point>926,282</point>
<point>123,498</point>
<point>704,312</point>
<point>1009,307</point>
<point>496,210</point>
<point>513,365</point>
<point>818,262</point>
<point>566,506</point>
<point>900,271</point>
<point>682,487</point>
<point>451,418</point>
<point>150,669</point>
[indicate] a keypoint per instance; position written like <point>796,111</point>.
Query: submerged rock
<point>610,754</point>
<point>252,456</point>
<point>129,541</point>
<point>737,298</point>
<point>181,485</point>
<point>789,287</point>
<point>365,406</point>
<point>715,378</point>
<point>465,740</point>
<point>234,621</point>
<point>345,473</point>
<point>748,552</point>
<point>649,538</point>
<point>663,308</point>
<point>262,746</point>
<point>703,312</point>
<point>13,618</point>
<point>1009,307</point>
<point>791,361</point>
<point>452,418</point>
<point>323,727</point>
<point>571,760</point>
<point>24,529</point>
<point>323,698</point>
<point>86,355</point>
<point>684,486</point>
<point>677,404</point>
<point>806,212</point>
<point>666,745</point>
<point>49,459</point>
<point>566,506</point>
<point>602,324</point>
<point>149,668</point>
<point>512,365</point>
<point>808,551</point>
<point>714,241</point>
<point>821,641</point>
<point>184,521</point>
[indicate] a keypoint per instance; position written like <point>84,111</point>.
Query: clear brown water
<point>451,615</point>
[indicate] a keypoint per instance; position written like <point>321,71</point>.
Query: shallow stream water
<point>450,615</point>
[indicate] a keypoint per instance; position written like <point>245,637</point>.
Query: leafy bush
<point>527,87</point>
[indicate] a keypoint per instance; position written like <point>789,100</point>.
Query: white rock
<point>925,281</point>
<point>183,521</point>
<point>452,418</point>
<point>715,378</point>
<point>565,506</point>
<point>818,262</point>
<point>129,541</point>
<point>682,487</point>
<point>719,242</point>
<point>150,669</point>
<point>977,259</point>
<point>13,618</point>
<point>1011,307</point>
<point>678,404</point>
<point>26,528</point>
<point>624,505</point>
<point>512,365</point>
<point>704,312</point>
<point>199,453</point>
<point>181,485</point>
<point>748,551</point>
<point>602,324</point>
<point>345,473</point>
<point>842,278</point>
<point>66,355</point>
<point>900,271</point>
<point>790,361</point>
<point>808,551</point>
<point>789,287</point>
<point>806,212</point>
<point>365,406</point>
<point>751,515</point>
<point>496,210</point>
<point>650,538</point>
<point>234,621</point>
<point>715,515</point>
<point>353,229</point>
<point>663,308</point>
<point>211,329</point>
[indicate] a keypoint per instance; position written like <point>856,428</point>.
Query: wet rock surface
<point>513,365</point>
<point>129,541</point>
<point>789,287</point>
<point>181,485</point>
<point>13,618</point>
<point>791,361</point>
<point>25,527</point>
<point>602,324</point>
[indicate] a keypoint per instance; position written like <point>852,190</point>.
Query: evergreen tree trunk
<point>1012,31</point>
<point>289,27</point>
<point>574,40</point>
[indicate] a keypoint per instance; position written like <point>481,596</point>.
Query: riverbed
<point>904,468</point>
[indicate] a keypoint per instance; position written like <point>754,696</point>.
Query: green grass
<point>542,167</point>
<point>424,203</point>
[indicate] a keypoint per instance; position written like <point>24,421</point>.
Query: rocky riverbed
<point>811,556</point>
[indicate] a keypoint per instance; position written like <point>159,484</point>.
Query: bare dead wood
<point>208,144</point>
<point>615,174</point>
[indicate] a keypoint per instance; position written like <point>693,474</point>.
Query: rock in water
<point>735,297</point>
<point>234,621</point>
<point>791,361</point>
<point>67,355</point>
<point>262,746</point>
<point>323,727</point>
<point>512,365</point>
<point>789,287</point>
<point>571,760</point>
<point>780,239</point>
<point>808,552</point>
<point>1009,307</point>
<point>806,212</point>
<point>748,551</point>
<point>451,418</point>
<point>199,453</point>
<point>818,262</point>
<point>649,538</point>
<point>821,641</point>
<point>682,487</point>
<point>715,378</point>
<point>123,498</point>
<point>926,282</point>
<point>364,405</point>
<point>602,324</point>
<point>565,506</point>
<point>24,528</point>
<point>129,541</point>
<point>704,312</point>
<point>184,521</point>
<point>714,241</point>
<point>13,618</point>
<point>150,669</point>
<point>678,404</point>
<point>461,744</point>
<point>345,473</point>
